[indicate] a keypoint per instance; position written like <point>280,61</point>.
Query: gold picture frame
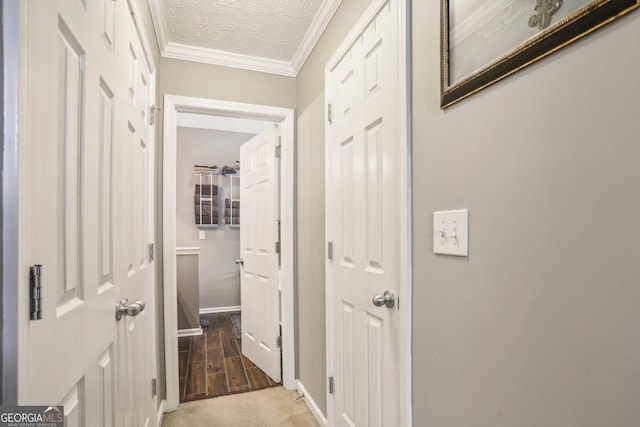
<point>484,41</point>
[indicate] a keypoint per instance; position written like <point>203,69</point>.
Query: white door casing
<point>259,275</point>
<point>367,217</point>
<point>173,105</point>
<point>85,203</point>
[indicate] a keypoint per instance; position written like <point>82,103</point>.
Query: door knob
<point>388,299</point>
<point>126,308</point>
<point>240,261</point>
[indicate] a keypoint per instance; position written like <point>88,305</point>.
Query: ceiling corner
<point>159,23</point>
<point>327,9</point>
<point>227,59</point>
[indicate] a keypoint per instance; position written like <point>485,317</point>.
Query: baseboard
<point>311,404</point>
<point>189,332</point>
<point>219,309</point>
<point>163,404</point>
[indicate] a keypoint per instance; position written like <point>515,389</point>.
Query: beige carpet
<point>270,407</point>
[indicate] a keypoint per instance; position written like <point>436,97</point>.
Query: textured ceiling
<point>271,29</point>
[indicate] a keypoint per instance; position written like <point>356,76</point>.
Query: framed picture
<point>484,41</point>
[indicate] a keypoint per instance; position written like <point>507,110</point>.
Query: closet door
<point>260,281</point>
<point>86,199</point>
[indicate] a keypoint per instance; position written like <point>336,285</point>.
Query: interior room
<point>208,180</point>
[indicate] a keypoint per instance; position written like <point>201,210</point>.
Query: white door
<point>362,226</point>
<point>86,150</point>
<point>260,276</point>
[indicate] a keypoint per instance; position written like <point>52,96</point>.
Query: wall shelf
<point>206,200</point>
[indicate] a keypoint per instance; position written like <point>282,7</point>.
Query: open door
<point>86,213</point>
<point>260,278</point>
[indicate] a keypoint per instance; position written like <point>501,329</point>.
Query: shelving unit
<point>232,203</point>
<point>204,199</point>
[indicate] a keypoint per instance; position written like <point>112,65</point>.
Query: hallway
<point>272,407</point>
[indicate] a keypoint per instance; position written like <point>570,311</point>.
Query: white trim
<point>320,21</point>
<point>12,190</point>
<point>160,416</point>
<point>188,251</point>
<point>404,202</point>
<point>189,332</point>
<point>159,23</point>
<point>291,68</point>
<point>311,404</point>
<point>227,59</point>
<point>174,104</point>
<point>228,309</point>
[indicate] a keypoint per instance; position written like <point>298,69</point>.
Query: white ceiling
<point>273,36</point>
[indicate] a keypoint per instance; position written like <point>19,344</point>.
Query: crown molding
<point>159,23</point>
<point>228,59</point>
<point>327,9</point>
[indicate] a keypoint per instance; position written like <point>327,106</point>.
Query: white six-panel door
<point>86,199</point>
<point>260,281</point>
<point>362,225</point>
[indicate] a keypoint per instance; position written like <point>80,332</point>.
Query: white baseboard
<point>163,404</point>
<point>219,309</point>
<point>189,332</point>
<point>311,404</point>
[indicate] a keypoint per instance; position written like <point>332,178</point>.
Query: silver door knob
<point>240,261</point>
<point>388,299</point>
<point>126,308</point>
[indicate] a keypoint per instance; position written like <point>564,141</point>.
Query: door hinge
<point>154,387</point>
<point>330,250</point>
<point>278,151</point>
<point>152,114</point>
<point>277,247</point>
<point>330,113</point>
<point>150,252</point>
<point>279,341</point>
<point>35,292</point>
<point>330,385</point>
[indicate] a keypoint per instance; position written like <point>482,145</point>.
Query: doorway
<point>173,106</point>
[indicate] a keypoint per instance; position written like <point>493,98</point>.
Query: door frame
<point>174,104</point>
<point>10,295</point>
<point>403,199</point>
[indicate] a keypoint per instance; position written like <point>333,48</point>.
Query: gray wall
<point>310,202</point>
<point>219,275</point>
<point>199,80</point>
<point>187,291</point>
<point>539,325</point>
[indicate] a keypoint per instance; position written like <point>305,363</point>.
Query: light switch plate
<point>201,234</point>
<point>451,232</point>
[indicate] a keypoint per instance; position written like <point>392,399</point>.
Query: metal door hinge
<point>35,292</point>
<point>329,113</point>
<point>150,252</point>
<point>330,250</point>
<point>154,387</point>
<point>330,385</point>
<point>277,247</point>
<point>278,151</point>
<point>152,114</point>
<point>279,341</point>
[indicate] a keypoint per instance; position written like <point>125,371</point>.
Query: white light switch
<point>451,232</point>
<point>201,235</point>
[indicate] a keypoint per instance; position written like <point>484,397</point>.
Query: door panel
<point>77,213</point>
<point>362,215</point>
<point>260,279</point>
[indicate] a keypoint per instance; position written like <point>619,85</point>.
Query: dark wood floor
<point>212,364</point>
